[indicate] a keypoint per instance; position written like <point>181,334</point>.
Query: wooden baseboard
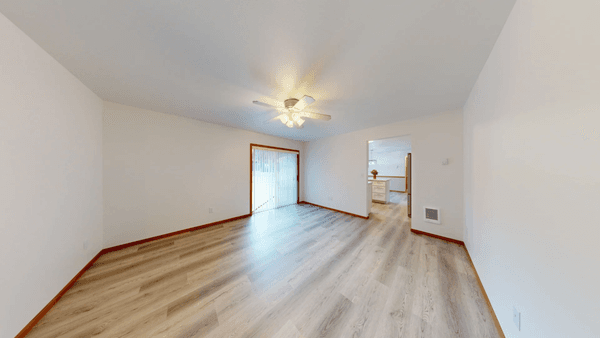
<point>419,232</point>
<point>404,192</point>
<point>64,290</point>
<point>54,300</point>
<point>343,212</point>
<point>487,299</point>
<point>150,239</point>
<point>489,304</point>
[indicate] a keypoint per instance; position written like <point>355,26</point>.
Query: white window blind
<point>274,179</point>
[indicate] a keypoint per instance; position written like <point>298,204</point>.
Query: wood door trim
<point>277,148</point>
<point>408,172</point>
<point>336,210</point>
<point>270,147</point>
<point>298,177</point>
<point>388,176</point>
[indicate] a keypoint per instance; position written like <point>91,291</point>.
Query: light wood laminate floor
<point>298,271</point>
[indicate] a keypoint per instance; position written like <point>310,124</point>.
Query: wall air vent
<point>432,215</point>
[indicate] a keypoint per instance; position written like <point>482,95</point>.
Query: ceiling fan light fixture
<point>290,103</point>
<point>304,102</point>
<point>290,111</point>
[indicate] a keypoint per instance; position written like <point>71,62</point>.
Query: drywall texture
<point>162,172</point>
<point>336,170</point>
<point>532,188</point>
<point>50,177</point>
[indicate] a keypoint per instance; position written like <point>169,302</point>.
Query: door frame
<point>252,145</point>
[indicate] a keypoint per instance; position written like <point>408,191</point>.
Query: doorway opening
<point>389,171</point>
<point>274,177</point>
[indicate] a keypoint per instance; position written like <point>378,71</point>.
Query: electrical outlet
<point>517,318</point>
<point>211,210</point>
<point>86,244</point>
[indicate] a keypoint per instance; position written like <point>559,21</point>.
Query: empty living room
<point>299,169</point>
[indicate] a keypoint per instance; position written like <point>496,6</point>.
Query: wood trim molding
<point>487,299</point>
<point>263,146</point>
<point>64,290</point>
<point>178,232</point>
<point>343,212</point>
<point>404,192</point>
<point>455,241</point>
<point>56,298</point>
<point>388,176</point>
<point>489,304</point>
<point>252,145</point>
<point>298,177</point>
<point>251,170</point>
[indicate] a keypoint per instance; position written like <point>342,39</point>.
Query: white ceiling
<point>366,63</point>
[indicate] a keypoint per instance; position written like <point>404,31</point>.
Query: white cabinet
<point>380,191</point>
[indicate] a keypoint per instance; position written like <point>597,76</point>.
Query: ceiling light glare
<point>290,124</point>
<point>300,122</point>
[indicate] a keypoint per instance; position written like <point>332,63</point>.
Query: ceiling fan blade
<point>264,104</point>
<point>278,117</point>
<point>315,116</point>
<point>304,102</point>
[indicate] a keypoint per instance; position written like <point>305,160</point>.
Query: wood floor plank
<point>297,271</point>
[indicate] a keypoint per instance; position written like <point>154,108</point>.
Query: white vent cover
<point>432,215</point>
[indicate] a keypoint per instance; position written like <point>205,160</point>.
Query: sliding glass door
<point>274,178</point>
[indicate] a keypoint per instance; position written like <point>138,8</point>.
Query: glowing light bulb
<point>295,116</point>
<point>290,124</point>
<point>285,119</point>
<point>300,122</point>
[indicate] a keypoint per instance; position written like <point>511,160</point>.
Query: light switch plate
<point>517,318</point>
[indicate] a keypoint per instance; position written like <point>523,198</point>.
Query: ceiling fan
<point>292,113</point>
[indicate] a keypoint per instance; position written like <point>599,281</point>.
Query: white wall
<point>336,170</point>
<point>162,172</point>
<point>532,163</point>
<point>390,164</point>
<point>50,177</point>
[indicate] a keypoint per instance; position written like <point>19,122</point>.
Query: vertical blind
<point>274,179</point>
